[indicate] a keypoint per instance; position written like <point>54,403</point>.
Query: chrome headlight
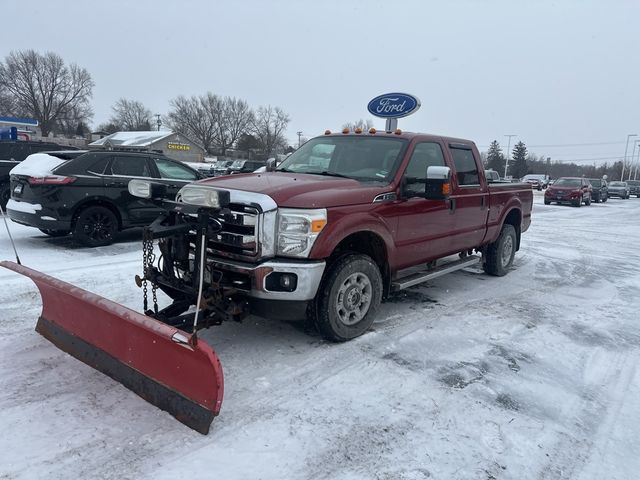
<point>204,196</point>
<point>298,230</point>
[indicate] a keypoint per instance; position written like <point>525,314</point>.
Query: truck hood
<point>300,190</point>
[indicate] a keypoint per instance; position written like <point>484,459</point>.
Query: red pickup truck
<point>342,223</point>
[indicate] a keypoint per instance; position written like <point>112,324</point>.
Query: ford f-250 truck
<point>345,221</point>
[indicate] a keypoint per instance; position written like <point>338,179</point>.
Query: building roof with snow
<point>132,139</point>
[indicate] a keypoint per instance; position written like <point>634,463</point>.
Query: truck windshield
<point>361,158</point>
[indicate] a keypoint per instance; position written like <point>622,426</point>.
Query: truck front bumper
<point>266,279</point>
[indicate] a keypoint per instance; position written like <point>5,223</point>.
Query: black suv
<point>87,193</point>
<point>600,191</point>
<point>12,152</point>
<point>245,166</point>
<point>634,187</point>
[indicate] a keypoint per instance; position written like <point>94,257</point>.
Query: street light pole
<point>299,135</point>
<point>626,148</point>
<point>633,164</point>
<point>635,167</point>
<point>633,154</point>
<point>506,163</point>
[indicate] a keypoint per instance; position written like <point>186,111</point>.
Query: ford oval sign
<point>393,105</point>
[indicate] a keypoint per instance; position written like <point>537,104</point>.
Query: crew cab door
<point>424,225</point>
<point>469,199</point>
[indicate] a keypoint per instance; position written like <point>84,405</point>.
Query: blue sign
<point>393,105</point>
<point>29,122</point>
<point>8,133</point>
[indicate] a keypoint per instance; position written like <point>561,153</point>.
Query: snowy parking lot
<point>529,376</point>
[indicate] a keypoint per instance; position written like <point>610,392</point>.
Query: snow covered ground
<point>530,376</point>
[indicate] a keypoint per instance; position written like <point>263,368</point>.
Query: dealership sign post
<point>392,106</point>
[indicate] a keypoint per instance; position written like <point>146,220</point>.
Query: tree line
<point>521,163</point>
<point>58,96</point>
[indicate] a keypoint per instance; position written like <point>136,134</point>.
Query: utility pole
<point>635,167</point>
<point>626,148</point>
<point>299,135</point>
<point>506,163</point>
<point>635,144</point>
<point>158,121</point>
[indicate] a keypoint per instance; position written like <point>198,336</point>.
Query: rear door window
<point>466,168</point>
<point>169,169</point>
<point>99,165</point>
<point>129,166</point>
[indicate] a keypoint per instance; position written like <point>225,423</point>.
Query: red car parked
<point>573,190</point>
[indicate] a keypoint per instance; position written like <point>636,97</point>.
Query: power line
<point>574,144</point>
<point>560,145</point>
<point>577,160</point>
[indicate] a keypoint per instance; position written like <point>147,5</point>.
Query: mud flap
<point>160,363</point>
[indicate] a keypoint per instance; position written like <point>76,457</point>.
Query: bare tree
<point>269,126</point>
<point>68,124</point>
<point>131,115</point>
<point>192,117</point>
<point>216,122</point>
<point>8,105</point>
<point>234,118</point>
<point>363,124</point>
<point>44,88</point>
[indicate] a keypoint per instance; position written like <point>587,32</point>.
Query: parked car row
<point>579,190</point>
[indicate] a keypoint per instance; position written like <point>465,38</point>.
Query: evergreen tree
<point>518,163</point>
<point>495,159</point>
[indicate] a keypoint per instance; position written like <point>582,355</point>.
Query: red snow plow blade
<point>160,363</point>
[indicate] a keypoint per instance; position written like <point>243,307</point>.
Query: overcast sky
<point>551,72</point>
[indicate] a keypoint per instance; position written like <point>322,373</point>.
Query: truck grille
<point>239,235</point>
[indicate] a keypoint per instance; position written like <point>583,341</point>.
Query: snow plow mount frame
<point>220,302</point>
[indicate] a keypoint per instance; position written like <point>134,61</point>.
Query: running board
<point>420,277</point>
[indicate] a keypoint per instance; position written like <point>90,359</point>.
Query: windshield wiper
<point>331,174</point>
<point>283,170</point>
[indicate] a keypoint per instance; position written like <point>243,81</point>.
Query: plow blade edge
<point>154,360</point>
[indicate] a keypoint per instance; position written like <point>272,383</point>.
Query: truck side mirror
<point>271,164</point>
<point>438,183</point>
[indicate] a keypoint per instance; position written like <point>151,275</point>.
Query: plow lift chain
<point>215,301</point>
<point>148,258</point>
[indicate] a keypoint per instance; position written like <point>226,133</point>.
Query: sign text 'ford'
<point>393,105</point>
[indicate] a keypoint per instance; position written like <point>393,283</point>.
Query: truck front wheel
<point>501,252</point>
<point>348,299</point>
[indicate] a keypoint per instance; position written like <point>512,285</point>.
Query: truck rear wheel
<point>500,253</point>
<point>348,299</point>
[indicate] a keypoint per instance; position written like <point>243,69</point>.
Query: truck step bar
<point>420,277</point>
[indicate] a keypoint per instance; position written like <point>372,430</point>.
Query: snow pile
<point>535,375</point>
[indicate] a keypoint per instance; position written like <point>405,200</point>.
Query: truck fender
<point>339,229</point>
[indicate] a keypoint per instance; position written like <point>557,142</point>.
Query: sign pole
<point>391,124</point>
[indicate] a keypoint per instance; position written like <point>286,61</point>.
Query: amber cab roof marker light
<point>372,131</point>
<point>345,130</point>
<point>398,131</point>
<point>327,132</point>
<point>358,130</point>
